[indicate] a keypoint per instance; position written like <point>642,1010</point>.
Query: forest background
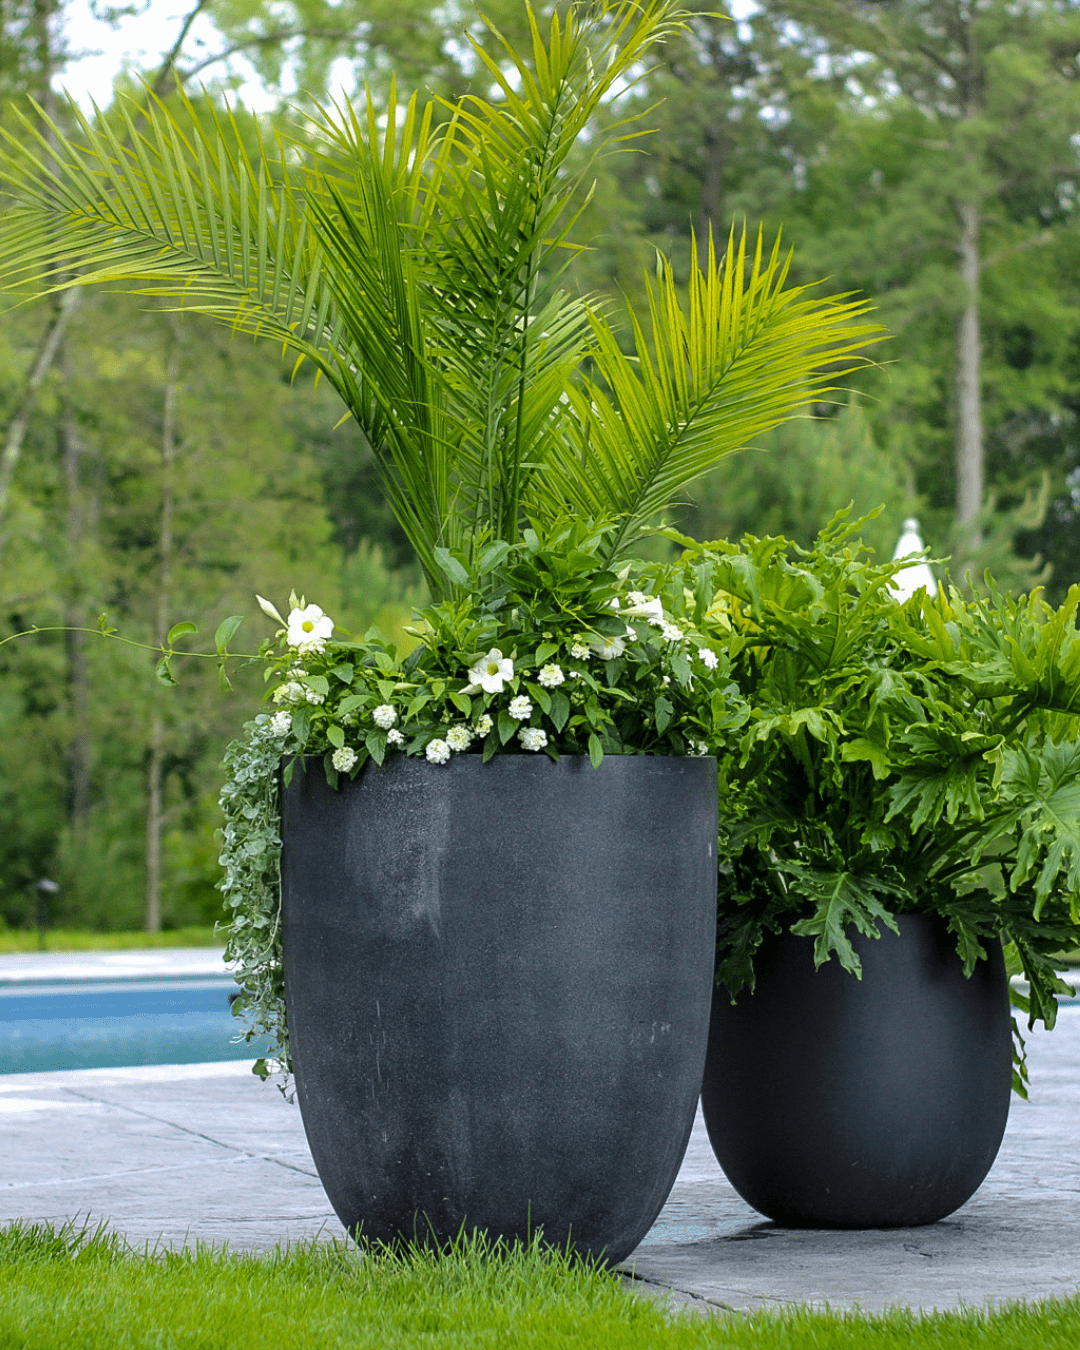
<point>926,152</point>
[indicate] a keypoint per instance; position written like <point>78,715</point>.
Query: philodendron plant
<point>896,758</point>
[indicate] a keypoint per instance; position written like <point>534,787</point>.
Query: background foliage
<point>151,468</point>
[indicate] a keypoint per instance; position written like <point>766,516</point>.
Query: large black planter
<point>838,1103</point>
<point>498,979</point>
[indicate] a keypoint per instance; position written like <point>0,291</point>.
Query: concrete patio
<point>206,1152</point>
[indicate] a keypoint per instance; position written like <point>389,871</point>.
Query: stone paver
<point>1017,1238</point>
<point>175,1154</point>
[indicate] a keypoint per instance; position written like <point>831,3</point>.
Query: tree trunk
<point>969,434</point>
<point>155,777</point>
<point>77,519</point>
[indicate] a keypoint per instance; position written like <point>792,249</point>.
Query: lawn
<point>81,1289</point>
<point>78,940</point>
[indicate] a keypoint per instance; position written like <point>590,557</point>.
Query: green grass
<point>84,1289</point>
<point>76,940</point>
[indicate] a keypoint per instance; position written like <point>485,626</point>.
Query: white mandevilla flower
<point>384,716</point>
<point>308,629</point>
<point>484,724</point>
<point>670,631</point>
<point>709,658</point>
<point>521,708</point>
<point>551,675</point>
<point>438,752</point>
<point>607,649</point>
<point>458,737</point>
<point>532,738</point>
<point>579,649</point>
<point>394,737</point>
<point>490,673</point>
<point>281,724</point>
<point>344,758</point>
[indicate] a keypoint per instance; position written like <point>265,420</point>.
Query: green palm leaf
<point>418,267</point>
<point>743,355</point>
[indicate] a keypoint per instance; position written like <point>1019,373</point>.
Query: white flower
<point>614,602</point>
<point>483,724</point>
<point>280,724</point>
<point>438,752</point>
<point>312,697</point>
<point>344,758</point>
<point>672,632</point>
<point>698,748</point>
<point>646,607</point>
<point>394,737</point>
<point>268,609</point>
<point>490,673</point>
<point>667,680</point>
<point>607,649</point>
<point>551,675</point>
<point>289,692</point>
<point>521,708</point>
<point>384,716</point>
<point>532,738</point>
<point>308,629</point>
<point>709,658</point>
<point>458,737</point>
<point>579,649</point>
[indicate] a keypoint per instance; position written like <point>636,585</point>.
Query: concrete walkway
<point>176,1154</point>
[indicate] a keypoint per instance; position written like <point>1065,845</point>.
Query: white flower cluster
<point>459,737</point>
<point>521,708</point>
<point>551,676</point>
<point>437,752</point>
<point>384,716</point>
<point>344,758</point>
<point>292,692</point>
<point>709,658</point>
<point>532,738</point>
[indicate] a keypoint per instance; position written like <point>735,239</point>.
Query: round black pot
<point>833,1102</point>
<point>498,979</point>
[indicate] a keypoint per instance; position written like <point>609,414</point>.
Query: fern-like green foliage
<point>917,757</point>
<point>414,256</point>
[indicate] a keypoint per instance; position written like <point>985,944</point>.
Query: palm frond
<point>747,352</point>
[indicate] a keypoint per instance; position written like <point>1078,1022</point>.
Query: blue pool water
<point>109,1024</point>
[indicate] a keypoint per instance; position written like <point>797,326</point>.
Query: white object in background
<point>917,576</point>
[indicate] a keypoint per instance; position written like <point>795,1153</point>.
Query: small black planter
<point>498,979</point>
<point>838,1103</point>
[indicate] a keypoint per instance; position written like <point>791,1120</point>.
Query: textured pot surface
<point>833,1102</point>
<point>498,979</point>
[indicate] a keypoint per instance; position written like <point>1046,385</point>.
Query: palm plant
<point>413,255</point>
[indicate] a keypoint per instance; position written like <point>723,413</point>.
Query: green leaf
<point>335,736</point>
<point>663,711</point>
<point>344,671</point>
<point>560,710</point>
<point>178,630</point>
<point>462,702</point>
<point>163,671</point>
<point>596,750</point>
<point>450,567</point>
<point>507,726</point>
<point>225,630</point>
<point>318,684</point>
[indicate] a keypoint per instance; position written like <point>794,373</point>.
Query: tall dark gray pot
<point>498,979</point>
<point>833,1102</point>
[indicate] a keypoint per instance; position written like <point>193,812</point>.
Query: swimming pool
<point>112,1017</point>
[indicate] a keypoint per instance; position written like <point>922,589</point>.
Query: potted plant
<point>903,799</point>
<point>490,966</point>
